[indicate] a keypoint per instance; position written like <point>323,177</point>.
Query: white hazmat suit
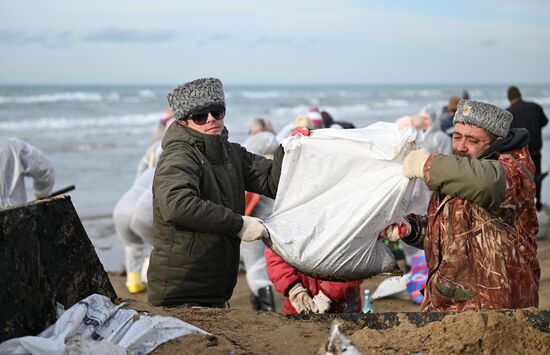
<point>18,160</point>
<point>133,217</point>
<point>263,143</point>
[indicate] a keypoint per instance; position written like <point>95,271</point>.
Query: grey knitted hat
<point>491,118</point>
<point>196,96</point>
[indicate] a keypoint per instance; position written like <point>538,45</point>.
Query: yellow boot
<point>134,283</point>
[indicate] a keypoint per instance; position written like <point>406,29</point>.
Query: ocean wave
<point>113,96</point>
<point>420,92</point>
<point>391,103</point>
<point>543,101</point>
<point>146,93</point>
<point>291,112</point>
<point>74,96</point>
<point>352,94</point>
<point>61,123</point>
<point>261,94</point>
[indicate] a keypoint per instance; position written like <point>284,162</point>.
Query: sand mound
<point>242,331</point>
<point>249,332</point>
<point>463,333</point>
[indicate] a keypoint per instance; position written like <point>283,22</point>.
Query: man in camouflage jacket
<point>479,233</point>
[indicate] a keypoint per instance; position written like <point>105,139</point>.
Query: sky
<point>275,42</point>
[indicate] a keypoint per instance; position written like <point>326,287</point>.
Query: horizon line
<point>284,84</point>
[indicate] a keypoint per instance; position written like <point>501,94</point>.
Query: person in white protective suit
<point>261,141</point>
<point>133,218</point>
<point>432,139</point>
<point>18,160</point>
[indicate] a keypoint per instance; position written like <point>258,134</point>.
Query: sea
<point>96,135</point>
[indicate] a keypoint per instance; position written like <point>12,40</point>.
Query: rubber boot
<point>266,299</point>
<point>134,283</point>
<point>255,302</point>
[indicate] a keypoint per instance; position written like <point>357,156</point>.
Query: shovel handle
<point>61,191</point>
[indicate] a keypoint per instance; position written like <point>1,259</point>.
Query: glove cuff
<point>246,222</point>
<point>323,297</point>
<point>296,289</point>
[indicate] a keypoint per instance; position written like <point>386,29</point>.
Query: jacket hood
<point>516,138</point>
<point>209,144</point>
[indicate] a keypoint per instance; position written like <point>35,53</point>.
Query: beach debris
<point>391,286</point>
<point>45,258</point>
<point>338,343</point>
<point>94,325</point>
<point>367,304</point>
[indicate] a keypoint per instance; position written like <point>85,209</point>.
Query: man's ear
<point>182,122</point>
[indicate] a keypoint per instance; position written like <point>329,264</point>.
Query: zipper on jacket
<point>198,151</point>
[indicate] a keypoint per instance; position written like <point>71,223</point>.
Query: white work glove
<point>395,232</point>
<point>253,229</point>
<point>413,164</point>
<point>322,302</point>
<point>300,299</point>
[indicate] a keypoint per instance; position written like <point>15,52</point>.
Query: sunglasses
<point>200,118</point>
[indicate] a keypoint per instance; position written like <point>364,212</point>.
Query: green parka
<point>198,203</point>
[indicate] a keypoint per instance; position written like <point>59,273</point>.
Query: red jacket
<point>345,296</point>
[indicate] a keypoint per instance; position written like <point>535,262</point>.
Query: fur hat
<point>195,96</point>
<point>491,118</point>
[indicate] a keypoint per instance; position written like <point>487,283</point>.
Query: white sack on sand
<point>96,319</point>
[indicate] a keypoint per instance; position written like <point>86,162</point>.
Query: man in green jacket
<point>198,201</point>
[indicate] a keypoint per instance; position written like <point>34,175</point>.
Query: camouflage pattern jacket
<point>479,233</point>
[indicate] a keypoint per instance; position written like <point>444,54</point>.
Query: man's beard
<point>461,155</point>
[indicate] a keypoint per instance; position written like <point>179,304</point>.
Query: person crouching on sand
<point>304,294</point>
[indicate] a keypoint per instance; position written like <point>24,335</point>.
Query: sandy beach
<point>93,86</point>
<point>242,330</point>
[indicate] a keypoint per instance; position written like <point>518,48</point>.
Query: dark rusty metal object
<point>45,258</point>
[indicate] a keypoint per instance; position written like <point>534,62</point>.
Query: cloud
<point>10,37</point>
<point>63,39</point>
<point>60,39</point>
<point>214,38</point>
<point>117,35</point>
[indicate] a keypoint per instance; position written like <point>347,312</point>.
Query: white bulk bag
<point>338,189</point>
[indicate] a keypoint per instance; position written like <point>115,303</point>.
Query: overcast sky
<point>274,42</point>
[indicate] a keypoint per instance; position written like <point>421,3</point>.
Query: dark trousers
<point>538,177</point>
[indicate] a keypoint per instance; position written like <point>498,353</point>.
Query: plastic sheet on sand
<point>95,326</point>
<point>338,190</point>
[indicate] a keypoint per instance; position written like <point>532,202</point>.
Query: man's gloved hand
<point>303,131</point>
<point>413,164</point>
<point>253,229</point>
<point>300,299</point>
<point>395,232</point>
<point>322,302</point>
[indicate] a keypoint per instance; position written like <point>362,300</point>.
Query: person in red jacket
<point>304,294</point>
